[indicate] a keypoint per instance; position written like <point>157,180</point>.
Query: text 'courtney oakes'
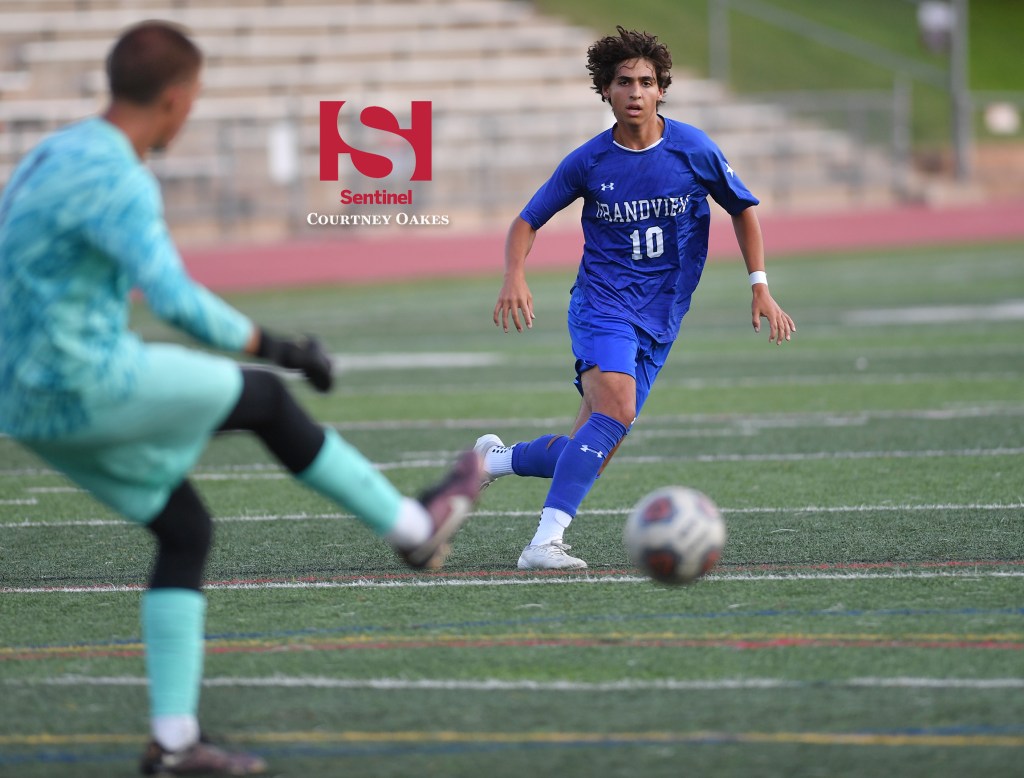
<point>402,219</point>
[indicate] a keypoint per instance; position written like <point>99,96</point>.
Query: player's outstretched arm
<point>515,299</point>
<point>763,306</point>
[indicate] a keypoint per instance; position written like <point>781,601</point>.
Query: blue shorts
<point>616,346</point>
<point>134,452</point>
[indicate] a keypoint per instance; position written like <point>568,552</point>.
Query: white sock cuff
<point>412,527</point>
<point>551,527</point>
<point>175,732</point>
<point>498,461</point>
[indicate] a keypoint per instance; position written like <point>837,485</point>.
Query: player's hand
<point>514,300</point>
<point>780,324</point>
<point>305,354</point>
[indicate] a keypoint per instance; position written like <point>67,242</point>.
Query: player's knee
<point>276,390</point>
<point>267,408</point>
<point>264,390</point>
<point>184,535</point>
<point>620,409</point>
<point>626,415</point>
<point>613,395</point>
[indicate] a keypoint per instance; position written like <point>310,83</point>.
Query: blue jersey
<point>81,224</point>
<point>645,221</point>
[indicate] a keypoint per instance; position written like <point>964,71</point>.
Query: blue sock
<point>538,457</point>
<point>580,462</point>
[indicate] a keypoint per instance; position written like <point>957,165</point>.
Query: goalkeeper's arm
<point>304,353</point>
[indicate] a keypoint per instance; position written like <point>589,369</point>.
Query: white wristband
<point>759,277</point>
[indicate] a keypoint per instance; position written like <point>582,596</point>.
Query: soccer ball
<point>675,534</point>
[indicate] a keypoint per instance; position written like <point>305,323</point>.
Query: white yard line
<point>696,384</point>
<point>728,421</point>
<point>433,360</point>
<point>818,418</point>
<point>784,510</point>
<point>1008,310</point>
<point>444,458</point>
<point>440,581</point>
<point>265,472</point>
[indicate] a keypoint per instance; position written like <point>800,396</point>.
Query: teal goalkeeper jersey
<point>81,225</point>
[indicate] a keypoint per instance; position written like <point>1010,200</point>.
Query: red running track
<point>447,253</point>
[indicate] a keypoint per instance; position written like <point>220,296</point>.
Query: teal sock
<point>172,630</point>
<point>343,474</point>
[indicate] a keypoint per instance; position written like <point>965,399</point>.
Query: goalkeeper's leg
<point>321,459</point>
<point>173,615</point>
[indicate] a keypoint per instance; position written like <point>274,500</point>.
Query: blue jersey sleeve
<point>565,185</point>
<point>132,232</point>
<point>716,174</point>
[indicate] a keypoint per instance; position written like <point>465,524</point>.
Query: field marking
<point>395,360</point>
<point>861,378</point>
<point>771,420</point>
<point>743,641</point>
<point>732,422</point>
<point>699,384</point>
<point>810,354</point>
<point>822,418</point>
<point>1007,310</point>
<point>615,577</point>
<point>375,633</point>
<point>527,685</point>
<point>270,472</point>
<point>811,456</point>
<point>820,456</point>
<point>937,739</point>
<point>756,511</point>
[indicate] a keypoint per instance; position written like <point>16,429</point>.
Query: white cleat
<point>483,445</point>
<point>550,556</point>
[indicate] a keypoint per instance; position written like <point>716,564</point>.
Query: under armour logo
<point>607,186</point>
<point>588,450</point>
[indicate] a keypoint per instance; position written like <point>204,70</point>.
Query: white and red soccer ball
<point>675,534</point>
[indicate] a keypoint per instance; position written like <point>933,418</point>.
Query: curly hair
<point>605,55</point>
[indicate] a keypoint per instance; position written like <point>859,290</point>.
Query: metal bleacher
<point>509,91</point>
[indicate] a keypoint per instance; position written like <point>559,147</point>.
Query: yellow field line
<point>526,738</point>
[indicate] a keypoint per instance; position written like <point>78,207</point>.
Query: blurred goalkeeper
<point>81,225</point>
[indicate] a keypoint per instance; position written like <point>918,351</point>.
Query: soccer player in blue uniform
<point>644,184</point>
<point>81,224</point>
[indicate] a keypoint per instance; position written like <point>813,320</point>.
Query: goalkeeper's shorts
<point>134,452</point>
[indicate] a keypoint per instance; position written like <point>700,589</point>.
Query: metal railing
<point>904,69</point>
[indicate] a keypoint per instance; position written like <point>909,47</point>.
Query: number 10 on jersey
<point>653,241</point>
